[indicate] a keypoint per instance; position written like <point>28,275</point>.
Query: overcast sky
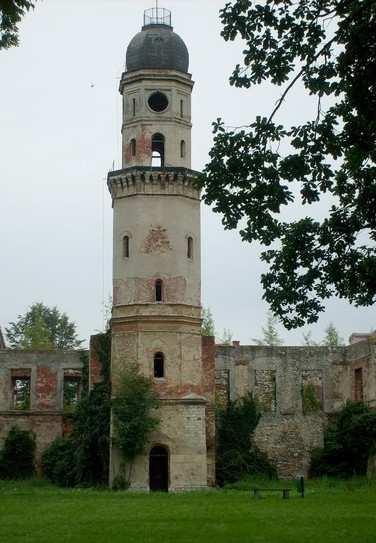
<point>60,119</point>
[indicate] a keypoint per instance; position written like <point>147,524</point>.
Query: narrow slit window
<point>158,290</point>
<point>182,149</point>
<point>190,247</point>
<point>126,246</point>
<point>358,377</point>
<point>133,147</point>
<point>159,366</point>
<point>134,107</point>
<point>182,108</point>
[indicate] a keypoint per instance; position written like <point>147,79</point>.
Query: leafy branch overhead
<point>11,13</point>
<point>257,172</point>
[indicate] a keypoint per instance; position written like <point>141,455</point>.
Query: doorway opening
<point>158,469</point>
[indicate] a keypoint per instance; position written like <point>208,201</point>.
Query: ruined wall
<point>297,388</point>
<point>43,412</point>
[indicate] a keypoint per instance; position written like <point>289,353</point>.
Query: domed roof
<point>157,47</point>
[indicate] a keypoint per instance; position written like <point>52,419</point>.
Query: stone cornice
<point>145,181</point>
<point>128,78</point>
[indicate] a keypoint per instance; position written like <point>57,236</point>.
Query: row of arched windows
<point>126,247</point>
<point>158,150</point>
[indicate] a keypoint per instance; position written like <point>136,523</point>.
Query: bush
<point>348,442</point>
<point>58,462</point>
<point>17,456</point>
<point>237,456</point>
<point>83,457</point>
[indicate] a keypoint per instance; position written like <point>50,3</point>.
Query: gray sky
<point>59,135</point>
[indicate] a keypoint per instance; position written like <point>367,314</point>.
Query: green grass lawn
<point>37,512</point>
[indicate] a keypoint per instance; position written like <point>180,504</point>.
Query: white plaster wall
<point>137,216</point>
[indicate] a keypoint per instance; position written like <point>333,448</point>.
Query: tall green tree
<point>260,170</point>
<point>134,416</point>
<point>207,325</point>
<point>11,13</point>
<point>332,337</point>
<point>226,338</point>
<point>42,327</point>
<point>270,333</point>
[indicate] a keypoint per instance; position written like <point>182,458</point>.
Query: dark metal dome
<point>157,47</point>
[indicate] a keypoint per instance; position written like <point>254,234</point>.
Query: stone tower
<point>156,268</point>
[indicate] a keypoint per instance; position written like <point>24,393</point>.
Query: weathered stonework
<point>44,416</point>
<point>297,389</point>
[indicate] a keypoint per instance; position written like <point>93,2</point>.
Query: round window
<point>158,101</point>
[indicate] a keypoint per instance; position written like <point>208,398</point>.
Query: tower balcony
<point>142,180</point>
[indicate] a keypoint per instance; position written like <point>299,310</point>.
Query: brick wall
<point>44,415</point>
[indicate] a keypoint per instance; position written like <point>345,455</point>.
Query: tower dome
<point>157,46</point>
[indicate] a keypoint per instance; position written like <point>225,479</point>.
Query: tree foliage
<point>349,441</point>
<point>17,455</point>
<point>226,338</point>
<point>237,456</point>
<point>332,337</point>
<point>258,171</point>
<point>133,414</point>
<point>270,334</point>
<point>82,458</point>
<point>207,325</point>
<point>43,327</point>
<point>11,13</point>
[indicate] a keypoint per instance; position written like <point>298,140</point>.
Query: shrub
<point>348,442</point>
<point>237,456</point>
<point>17,455</point>
<point>58,462</point>
<point>83,457</point>
<point>91,436</point>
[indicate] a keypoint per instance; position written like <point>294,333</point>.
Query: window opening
<point>158,150</point>
<point>126,246</point>
<point>182,149</point>
<point>158,290</point>
<point>134,107</point>
<point>181,108</point>
<point>358,376</point>
<point>71,390</point>
<point>158,101</point>
<point>133,147</point>
<point>21,392</point>
<point>190,248</point>
<point>159,365</point>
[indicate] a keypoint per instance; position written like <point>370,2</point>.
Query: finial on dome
<point>157,16</point>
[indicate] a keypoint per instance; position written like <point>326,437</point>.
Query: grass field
<point>35,512</point>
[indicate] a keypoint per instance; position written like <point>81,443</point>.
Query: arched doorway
<point>158,469</point>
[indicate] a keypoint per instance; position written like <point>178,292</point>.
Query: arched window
<point>158,150</point>
<point>182,149</point>
<point>190,247</point>
<point>133,147</point>
<point>159,366</point>
<point>134,107</point>
<point>126,246</point>
<point>181,108</point>
<point>158,290</point>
